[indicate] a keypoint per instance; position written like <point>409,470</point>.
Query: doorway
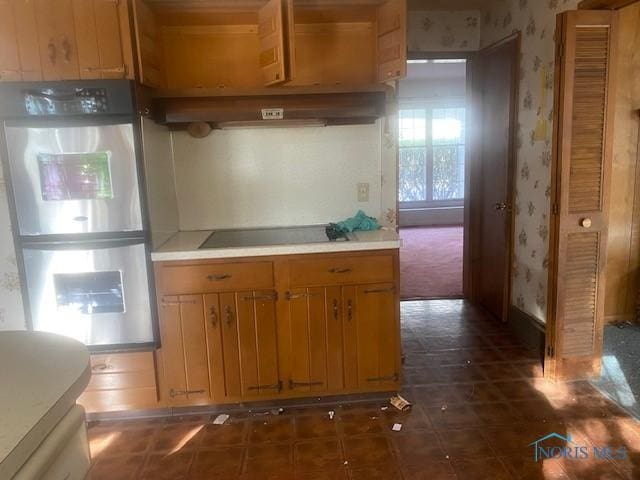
<point>432,157</point>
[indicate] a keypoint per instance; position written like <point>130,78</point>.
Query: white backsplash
<point>276,177</point>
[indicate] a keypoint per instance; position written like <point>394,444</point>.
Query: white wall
<point>276,177</point>
<point>160,177</point>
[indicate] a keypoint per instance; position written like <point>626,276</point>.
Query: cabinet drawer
<point>183,279</point>
<point>119,400</point>
<point>109,363</point>
<point>341,270</point>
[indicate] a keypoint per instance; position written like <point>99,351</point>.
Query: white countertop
<point>184,246</point>
<point>41,376</point>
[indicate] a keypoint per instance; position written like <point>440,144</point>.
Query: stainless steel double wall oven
<point>75,185</point>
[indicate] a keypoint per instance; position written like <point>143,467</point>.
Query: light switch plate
<point>363,192</point>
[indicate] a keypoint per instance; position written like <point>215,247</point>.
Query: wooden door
<point>585,82</point>
<point>496,79</point>
<point>273,61</point>
<point>374,313</point>
<point>57,39</point>
<point>392,40</point>
<point>19,51</point>
<point>99,32</point>
<point>308,336</point>
<point>258,345</point>
<point>184,350</point>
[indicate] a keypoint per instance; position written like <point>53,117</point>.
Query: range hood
<point>271,107</point>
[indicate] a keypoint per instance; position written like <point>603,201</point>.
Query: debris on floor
<point>396,427</point>
<point>400,403</point>
<point>220,419</point>
<point>277,411</point>
<point>331,414</point>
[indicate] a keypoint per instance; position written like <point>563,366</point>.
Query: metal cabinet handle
<point>99,367</point>
<point>339,270</point>
<point>119,69</point>
<point>176,393</point>
<point>270,297</point>
<point>169,303</point>
<point>293,384</point>
<point>349,310</point>
<point>52,51</point>
<point>214,316</point>
<point>228,315</point>
<point>392,378</point>
<point>335,309</point>
<point>381,290</point>
<point>217,278</point>
<point>275,386</point>
<point>294,296</point>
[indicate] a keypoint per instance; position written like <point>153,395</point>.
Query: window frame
<point>428,105</point>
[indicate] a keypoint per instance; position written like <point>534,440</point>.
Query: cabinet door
<point>99,38</point>
<point>335,350</point>
<point>257,338</point>
<point>392,40</point>
<point>148,43</point>
<point>372,318</point>
<point>184,350</point>
<point>19,53</point>
<point>309,317</point>
<point>214,327</point>
<point>9,57</point>
<point>230,346</point>
<point>57,39</point>
<point>271,34</point>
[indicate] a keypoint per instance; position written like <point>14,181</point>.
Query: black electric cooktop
<point>264,237</point>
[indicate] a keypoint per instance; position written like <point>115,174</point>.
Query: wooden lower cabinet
<point>343,338</point>
<point>281,342</point>
<point>185,357</point>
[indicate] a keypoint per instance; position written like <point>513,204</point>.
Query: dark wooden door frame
<point>474,174</point>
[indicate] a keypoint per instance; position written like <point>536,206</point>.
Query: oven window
<point>75,176</point>
<point>89,293</point>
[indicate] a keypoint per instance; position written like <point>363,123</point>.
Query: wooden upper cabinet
<point>64,40</point>
<point>57,39</point>
<point>392,40</point>
<point>10,68</point>
<point>583,138</point>
<point>273,59</point>
<point>148,43</point>
<point>103,39</point>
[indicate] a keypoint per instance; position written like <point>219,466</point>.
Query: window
<point>432,156</point>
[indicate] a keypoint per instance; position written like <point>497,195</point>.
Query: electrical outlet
<point>363,192</point>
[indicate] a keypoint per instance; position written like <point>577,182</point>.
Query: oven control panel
<point>60,101</point>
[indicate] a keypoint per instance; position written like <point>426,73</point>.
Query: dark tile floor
<point>479,401</point>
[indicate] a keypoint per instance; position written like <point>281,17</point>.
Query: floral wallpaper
<point>11,313</point>
<point>536,20</point>
<point>442,31</point>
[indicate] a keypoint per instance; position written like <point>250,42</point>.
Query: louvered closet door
<point>581,183</point>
